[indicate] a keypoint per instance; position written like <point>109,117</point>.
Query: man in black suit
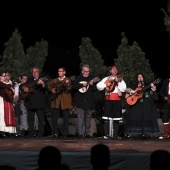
<point>35,88</point>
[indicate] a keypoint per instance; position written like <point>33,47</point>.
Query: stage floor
<point>74,144</point>
<point>22,153</point>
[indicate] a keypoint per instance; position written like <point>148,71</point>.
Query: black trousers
<point>31,119</point>
<point>55,113</point>
<point>166,113</point>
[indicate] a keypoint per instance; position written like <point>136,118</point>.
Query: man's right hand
<point>53,90</point>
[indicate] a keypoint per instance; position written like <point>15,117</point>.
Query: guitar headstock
<point>157,81</point>
<point>96,79</point>
<point>120,75</point>
<point>44,78</point>
<point>72,78</point>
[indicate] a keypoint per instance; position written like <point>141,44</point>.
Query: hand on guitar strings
<point>117,80</point>
<point>108,84</point>
<point>91,82</point>
<point>67,83</point>
<point>153,87</point>
<point>85,84</point>
<point>134,92</point>
<point>40,82</point>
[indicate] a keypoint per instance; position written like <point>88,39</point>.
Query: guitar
<point>30,87</point>
<point>84,89</point>
<point>131,99</point>
<point>113,83</point>
<point>59,88</point>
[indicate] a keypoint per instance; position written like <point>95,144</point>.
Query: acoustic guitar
<point>59,86</point>
<point>131,99</point>
<point>113,83</point>
<point>84,89</point>
<point>31,87</point>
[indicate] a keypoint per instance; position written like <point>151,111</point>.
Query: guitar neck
<point>146,87</point>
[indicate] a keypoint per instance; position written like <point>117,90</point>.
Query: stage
<point>127,153</point>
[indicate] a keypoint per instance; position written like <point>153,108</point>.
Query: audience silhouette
<point>160,159</point>
<point>6,167</point>
<point>100,157</point>
<point>49,159</point>
<point>64,167</point>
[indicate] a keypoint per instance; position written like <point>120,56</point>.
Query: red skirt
<point>9,114</point>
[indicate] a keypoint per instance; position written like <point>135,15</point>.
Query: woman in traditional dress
<point>141,120</point>
<point>7,115</point>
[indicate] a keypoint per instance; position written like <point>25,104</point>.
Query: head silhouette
<point>160,159</point>
<point>6,167</point>
<point>49,158</point>
<point>100,156</point>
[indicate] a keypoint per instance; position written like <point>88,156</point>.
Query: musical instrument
<point>30,87</point>
<point>84,89</point>
<point>59,88</point>
<point>131,99</point>
<point>113,83</point>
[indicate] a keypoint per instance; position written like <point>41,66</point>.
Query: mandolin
<point>84,89</point>
<point>131,99</point>
<point>113,83</point>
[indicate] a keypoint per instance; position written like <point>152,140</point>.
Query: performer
<point>7,115</point>
<point>20,109</point>
<point>61,101</point>
<point>35,102</point>
<point>141,120</point>
<point>165,95</point>
<point>114,86</point>
<point>85,88</point>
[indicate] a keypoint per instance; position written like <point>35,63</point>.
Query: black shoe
<point>22,134</point>
<point>80,136</point>
<point>117,137</point>
<point>30,135</point>
<point>84,135</point>
<point>106,137</point>
<point>40,137</point>
<point>64,137</point>
<point>17,134</point>
<point>4,136</point>
<point>53,136</point>
<point>127,136</point>
<point>88,136</point>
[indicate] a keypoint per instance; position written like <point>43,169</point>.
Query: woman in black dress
<point>141,119</point>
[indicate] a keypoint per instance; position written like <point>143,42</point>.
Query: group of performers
<point>24,103</point>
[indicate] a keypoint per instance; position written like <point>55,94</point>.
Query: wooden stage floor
<point>74,144</point>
